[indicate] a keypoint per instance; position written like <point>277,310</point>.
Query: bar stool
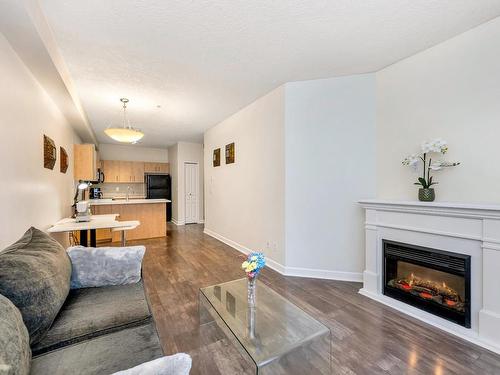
<point>123,235</point>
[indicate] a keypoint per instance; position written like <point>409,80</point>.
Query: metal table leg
<point>83,238</point>
<point>93,239</point>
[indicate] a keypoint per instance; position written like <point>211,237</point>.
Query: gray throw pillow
<point>35,275</point>
<point>105,266</point>
<point>15,353</point>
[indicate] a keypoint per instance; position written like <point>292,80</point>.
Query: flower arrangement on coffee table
<point>252,266</point>
<point>436,146</point>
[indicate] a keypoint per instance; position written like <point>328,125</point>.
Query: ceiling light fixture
<point>125,133</point>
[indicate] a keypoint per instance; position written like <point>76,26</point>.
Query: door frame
<point>197,216</point>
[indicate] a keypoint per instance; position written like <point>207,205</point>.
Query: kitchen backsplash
<point>109,190</point>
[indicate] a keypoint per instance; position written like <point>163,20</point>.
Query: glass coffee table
<point>276,337</point>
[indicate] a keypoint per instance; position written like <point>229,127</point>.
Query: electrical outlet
<point>117,189</point>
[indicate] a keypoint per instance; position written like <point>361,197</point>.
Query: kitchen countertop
<point>105,201</point>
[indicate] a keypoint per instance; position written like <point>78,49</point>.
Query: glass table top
<point>279,326</point>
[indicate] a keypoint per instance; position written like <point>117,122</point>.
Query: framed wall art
<point>216,157</point>
<point>49,153</point>
<point>230,153</point>
<point>63,160</point>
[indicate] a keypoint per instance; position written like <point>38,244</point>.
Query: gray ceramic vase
<point>426,195</point>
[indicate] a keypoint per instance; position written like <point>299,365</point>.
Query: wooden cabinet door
<point>163,167</point>
<point>149,167</point>
<point>137,171</point>
<point>111,170</point>
<point>125,171</point>
<point>85,162</point>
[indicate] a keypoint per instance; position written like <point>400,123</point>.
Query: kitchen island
<point>151,213</point>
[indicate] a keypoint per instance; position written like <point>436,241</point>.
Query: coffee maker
<point>95,193</point>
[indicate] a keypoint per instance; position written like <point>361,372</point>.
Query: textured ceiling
<point>201,61</point>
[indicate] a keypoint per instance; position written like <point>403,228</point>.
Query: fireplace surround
<point>468,234</point>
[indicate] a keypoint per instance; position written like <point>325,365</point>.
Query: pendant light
<point>125,133</point>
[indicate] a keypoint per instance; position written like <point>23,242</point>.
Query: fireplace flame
<point>412,279</point>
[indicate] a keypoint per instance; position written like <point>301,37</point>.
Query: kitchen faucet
<point>128,193</point>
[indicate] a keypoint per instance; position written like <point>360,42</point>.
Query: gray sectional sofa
<point>48,328</point>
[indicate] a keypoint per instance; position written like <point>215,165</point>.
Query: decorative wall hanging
<point>63,160</point>
<point>49,152</point>
<point>230,153</point>
<point>216,157</point>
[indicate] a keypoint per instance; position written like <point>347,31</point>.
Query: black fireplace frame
<point>441,260</point>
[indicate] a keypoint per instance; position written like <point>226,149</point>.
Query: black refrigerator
<point>159,186</point>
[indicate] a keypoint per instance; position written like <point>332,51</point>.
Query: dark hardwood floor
<point>368,337</point>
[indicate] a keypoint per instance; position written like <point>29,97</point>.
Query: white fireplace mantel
<point>470,229</point>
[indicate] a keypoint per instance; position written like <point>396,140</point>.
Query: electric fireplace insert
<point>433,280</point>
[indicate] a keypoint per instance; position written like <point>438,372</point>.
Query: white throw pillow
<point>105,266</point>
<point>178,364</point>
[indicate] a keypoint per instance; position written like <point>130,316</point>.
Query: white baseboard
<point>324,274</point>
<point>291,271</point>
<point>180,222</point>
<point>278,267</point>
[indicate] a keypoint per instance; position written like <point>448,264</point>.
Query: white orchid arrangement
<point>437,146</point>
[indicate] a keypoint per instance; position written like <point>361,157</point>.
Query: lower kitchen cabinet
<point>152,217</point>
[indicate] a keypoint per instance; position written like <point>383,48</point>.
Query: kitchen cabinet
<point>125,168</point>
<point>85,162</point>
<point>111,170</point>
<point>123,171</point>
<point>131,171</point>
<point>118,171</point>
<point>151,167</point>
<point>137,171</point>
<point>151,215</point>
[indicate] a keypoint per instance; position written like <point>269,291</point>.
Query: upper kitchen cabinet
<point>131,171</point>
<point>85,162</point>
<point>123,171</point>
<point>111,170</point>
<point>150,167</point>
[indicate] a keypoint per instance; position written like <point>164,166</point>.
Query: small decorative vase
<point>426,195</point>
<point>252,281</point>
<point>251,322</point>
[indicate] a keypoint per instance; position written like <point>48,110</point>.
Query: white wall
<point>179,154</point>
<point>32,195</point>
<point>174,174</point>
<point>132,153</point>
<point>330,164</point>
<point>451,91</point>
<point>245,200</point>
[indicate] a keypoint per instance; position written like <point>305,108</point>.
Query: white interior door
<point>191,192</point>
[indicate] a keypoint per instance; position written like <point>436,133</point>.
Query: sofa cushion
<point>102,355</point>
<point>92,312</point>
<point>15,353</point>
<point>105,266</point>
<point>35,275</point>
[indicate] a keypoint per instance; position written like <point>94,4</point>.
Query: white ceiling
<point>203,60</point>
